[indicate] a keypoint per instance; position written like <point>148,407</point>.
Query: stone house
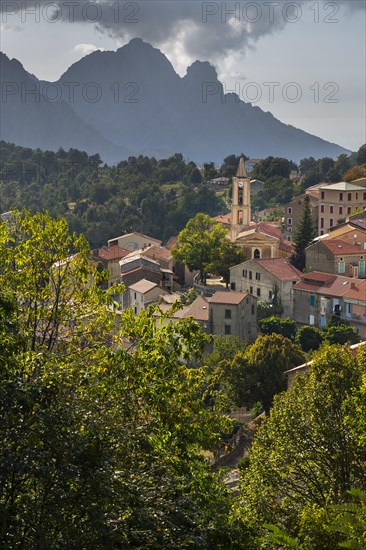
<point>110,257</point>
<point>143,293</point>
<point>233,314</point>
<point>263,277</point>
<point>319,296</point>
<point>337,256</point>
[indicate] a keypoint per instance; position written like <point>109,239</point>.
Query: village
<point>333,282</point>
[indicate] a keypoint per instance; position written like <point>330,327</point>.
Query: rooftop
<point>137,233</point>
<point>111,253</point>
<point>280,268</point>
<point>339,246</point>
<point>198,309</point>
<point>227,297</point>
<point>143,286</point>
<point>341,186</point>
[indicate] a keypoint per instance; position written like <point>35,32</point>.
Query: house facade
<point>144,293</point>
<point>337,256</point>
<point>320,296</point>
<point>337,201</point>
<point>264,277</point>
<point>233,314</point>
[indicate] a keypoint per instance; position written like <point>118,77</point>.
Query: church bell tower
<point>240,210</point>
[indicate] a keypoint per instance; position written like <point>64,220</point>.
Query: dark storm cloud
<point>198,28</point>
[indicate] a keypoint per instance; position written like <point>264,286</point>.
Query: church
<point>259,240</point>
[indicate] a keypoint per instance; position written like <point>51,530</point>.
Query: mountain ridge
<point>132,101</point>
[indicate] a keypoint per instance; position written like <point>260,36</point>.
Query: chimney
<point>354,286</point>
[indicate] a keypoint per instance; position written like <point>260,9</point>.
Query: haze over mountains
<point>133,102</point>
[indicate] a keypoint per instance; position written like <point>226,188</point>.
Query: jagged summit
<point>132,101</point>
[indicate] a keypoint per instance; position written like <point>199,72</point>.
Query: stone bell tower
<point>240,210</point>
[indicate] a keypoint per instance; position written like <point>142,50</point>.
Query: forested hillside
<point>140,194</point>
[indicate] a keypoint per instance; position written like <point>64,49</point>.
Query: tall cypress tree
<point>304,234</point>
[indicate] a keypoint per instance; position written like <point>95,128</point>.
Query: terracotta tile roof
<point>158,253</point>
<point>198,309</point>
<point>318,276</point>
<point>341,247</point>
<point>143,286</point>
<point>326,284</point>
<point>281,269</point>
<point>111,253</point>
<point>357,290</point>
<point>227,297</point>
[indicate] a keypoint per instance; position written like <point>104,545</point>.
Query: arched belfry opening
<point>257,254</point>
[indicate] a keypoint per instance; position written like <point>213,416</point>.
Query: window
<point>289,221</point>
<point>227,313</point>
<point>356,196</point>
<point>331,209</point>
<point>341,209</point>
<point>341,266</point>
<point>364,196</point>
<point>322,194</point>
<point>321,222</point>
<point>270,294</point>
<point>322,208</point>
<point>289,210</point>
<point>312,300</point>
<point>250,275</point>
<point>135,310</point>
<point>257,276</point>
<point>257,254</point>
<point>245,273</point>
<point>331,222</point>
<point>341,196</point>
<point>252,309</point>
<point>349,196</point>
<point>135,295</point>
<point>227,329</point>
<point>232,286</point>
<point>349,210</point>
<point>251,290</point>
<point>322,232</point>
<point>258,292</point>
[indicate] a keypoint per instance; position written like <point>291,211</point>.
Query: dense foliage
<point>156,197</point>
<point>102,423</point>
<point>307,454</point>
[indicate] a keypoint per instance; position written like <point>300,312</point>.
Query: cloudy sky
<point>304,60</point>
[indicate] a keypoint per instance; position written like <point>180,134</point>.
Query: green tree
<point>361,155</point>
<point>226,256</point>
<point>286,327</point>
<point>304,234</point>
<point>198,243</point>
<point>263,367</point>
<point>103,423</point>
<point>306,456</point>
<point>340,334</point>
<point>309,338</point>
